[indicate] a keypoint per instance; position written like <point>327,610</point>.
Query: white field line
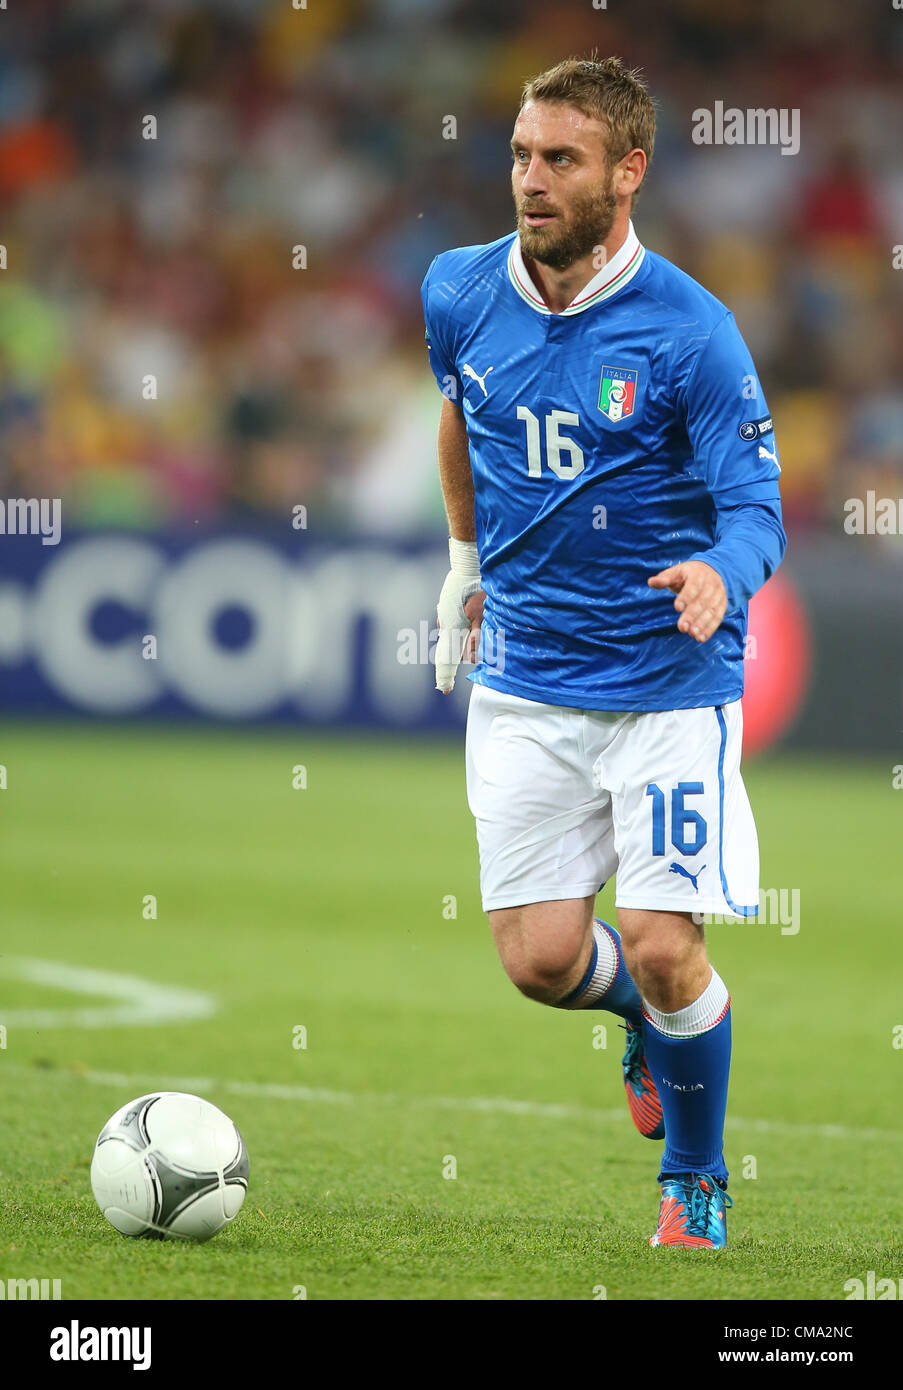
<point>140,1002</point>
<point>140,1083</point>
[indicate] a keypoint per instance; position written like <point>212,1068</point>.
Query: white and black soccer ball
<point>169,1165</point>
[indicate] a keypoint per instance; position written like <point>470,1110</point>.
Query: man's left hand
<point>701,596</point>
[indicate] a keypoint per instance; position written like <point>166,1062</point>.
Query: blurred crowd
<point>222,321</point>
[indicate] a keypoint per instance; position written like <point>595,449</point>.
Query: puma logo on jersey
<point>679,869</point>
<point>764,454</point>
<point>474,376</point>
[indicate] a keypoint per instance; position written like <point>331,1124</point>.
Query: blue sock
<point>689,1056</point>
<point>606,983</point>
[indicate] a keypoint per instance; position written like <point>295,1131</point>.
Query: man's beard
<point>559,245</point>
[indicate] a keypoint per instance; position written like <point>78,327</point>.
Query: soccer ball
<point>169,1166</point>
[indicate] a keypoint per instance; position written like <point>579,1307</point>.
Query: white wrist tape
<point>463,558</point>
<point>462,582</point>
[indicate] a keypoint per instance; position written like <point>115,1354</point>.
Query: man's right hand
<point>462,590</point>
<point>473,610</point>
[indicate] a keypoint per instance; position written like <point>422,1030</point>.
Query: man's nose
<point>534,181</point>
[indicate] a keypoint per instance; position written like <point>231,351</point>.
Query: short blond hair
<point>607,91</point>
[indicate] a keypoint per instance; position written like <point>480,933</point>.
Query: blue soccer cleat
<point>692,1213</point>
<point>642,1096</point>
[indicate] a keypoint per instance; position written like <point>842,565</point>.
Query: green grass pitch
<point>328,908</point>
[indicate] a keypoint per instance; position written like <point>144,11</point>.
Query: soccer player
<point>610,476</point>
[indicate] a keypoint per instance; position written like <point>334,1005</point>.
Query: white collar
<point>613,276</point>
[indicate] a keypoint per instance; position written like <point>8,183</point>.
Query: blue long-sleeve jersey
<point>609,441</point>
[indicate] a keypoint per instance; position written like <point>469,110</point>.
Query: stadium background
<point>287,384</point>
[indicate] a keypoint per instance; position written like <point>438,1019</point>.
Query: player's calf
<point>556,957</point>
<point>687,1034</point>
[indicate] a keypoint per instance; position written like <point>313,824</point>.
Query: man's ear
<point>629,173</point>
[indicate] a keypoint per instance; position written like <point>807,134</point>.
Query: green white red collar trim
<point>612,278</point>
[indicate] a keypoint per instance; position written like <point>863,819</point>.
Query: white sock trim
<point>698,1017</point>
<point>605,971</point>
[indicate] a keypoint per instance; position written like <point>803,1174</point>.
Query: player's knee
<point>543,981</point>
<point>655,964</point>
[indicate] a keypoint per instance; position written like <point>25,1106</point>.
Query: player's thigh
<point>544,829</point>
<point>683,826</point>
<point>545,941</point>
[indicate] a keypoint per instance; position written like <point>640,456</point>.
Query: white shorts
<point>565,798</point>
